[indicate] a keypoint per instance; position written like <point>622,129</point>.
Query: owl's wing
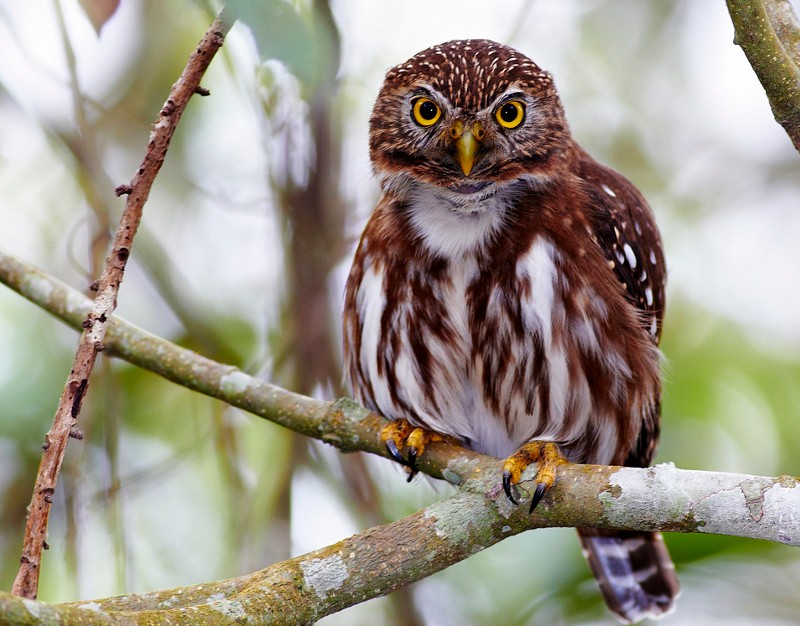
<point>633,569</point>
<point>625,230</point>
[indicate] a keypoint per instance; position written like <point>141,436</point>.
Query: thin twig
<point>96,322</point>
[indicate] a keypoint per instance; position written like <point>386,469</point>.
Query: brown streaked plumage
<point>508,288</point>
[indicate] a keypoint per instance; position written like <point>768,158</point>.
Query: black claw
<point>507,486</point>
<point>391,446</point>
<point>412,464</point>
<point>537,496</point>
<point>412,459</point>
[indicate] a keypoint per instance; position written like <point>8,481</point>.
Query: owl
<point>508,292</point>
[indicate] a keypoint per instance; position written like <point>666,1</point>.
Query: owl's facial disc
<point>469,141</point>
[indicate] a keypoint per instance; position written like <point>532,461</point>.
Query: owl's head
<point>467,116</point>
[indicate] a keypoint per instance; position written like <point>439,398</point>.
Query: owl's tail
<point>634,571</point>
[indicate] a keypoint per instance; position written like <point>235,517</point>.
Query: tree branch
<point>643,499</point>
<point>769,34</point>
<point>97,317</point>
<point>381,559</point>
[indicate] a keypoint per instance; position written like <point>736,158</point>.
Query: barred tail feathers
<point>635,572</point>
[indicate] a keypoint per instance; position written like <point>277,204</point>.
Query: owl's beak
<point>467,142</point>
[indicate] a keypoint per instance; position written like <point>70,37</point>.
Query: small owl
<point>508,292</point>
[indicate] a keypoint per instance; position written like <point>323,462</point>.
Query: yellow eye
<point>511,114</point>
<point>425,111</point>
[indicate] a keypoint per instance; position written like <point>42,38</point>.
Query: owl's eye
<point>425,111</point>
<point>511,114</point>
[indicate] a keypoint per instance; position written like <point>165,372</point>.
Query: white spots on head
<point>654,326</point>
<point>653,257</point>
<point>630,255</point>
<point>648,295</point>
<point>472,70</point>
<point>637,227</point>
<point>608,190</point>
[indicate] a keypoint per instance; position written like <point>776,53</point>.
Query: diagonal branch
<point>381,559</point>
<point>661,498</point>
<point>96,320</point>
<point>769,34</point>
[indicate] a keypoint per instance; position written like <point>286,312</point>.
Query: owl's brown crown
<point>473,72</point>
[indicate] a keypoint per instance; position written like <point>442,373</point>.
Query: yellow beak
<point>466,148</point>
<point>466,141</point>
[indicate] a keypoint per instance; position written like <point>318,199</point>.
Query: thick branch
<point>381,559</point>
<point>769,34</point>
<point>98,315</point>
<point>666,499</point>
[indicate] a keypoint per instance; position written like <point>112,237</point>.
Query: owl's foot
<point>546,454</point>
<point>399,434</point>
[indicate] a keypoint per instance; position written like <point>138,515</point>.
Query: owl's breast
<point>491,351</point>
<point>409,353</point>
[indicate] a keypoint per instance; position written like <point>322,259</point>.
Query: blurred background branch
<point>26,582</point>
<point>769,34</point>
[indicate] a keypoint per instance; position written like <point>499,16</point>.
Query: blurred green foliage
<point>170,488</point>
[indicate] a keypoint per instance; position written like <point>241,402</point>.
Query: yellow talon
<point>396,432</point>
<point>399,434</point>
<point>546,454</point>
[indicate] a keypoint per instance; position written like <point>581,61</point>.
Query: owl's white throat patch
<point>454,224</point>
